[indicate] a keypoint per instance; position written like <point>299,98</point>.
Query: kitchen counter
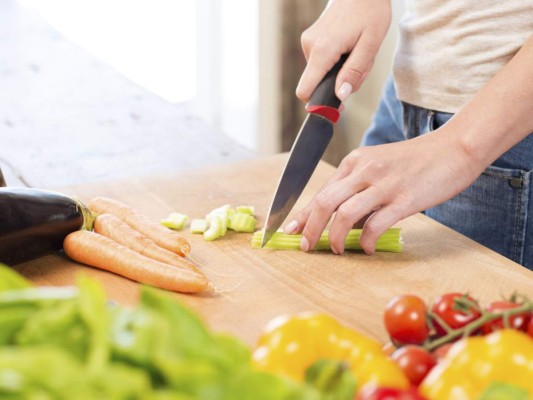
<point>256,285</point>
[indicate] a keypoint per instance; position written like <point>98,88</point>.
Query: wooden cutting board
<point>255,286</point>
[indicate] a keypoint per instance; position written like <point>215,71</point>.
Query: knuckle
<point>301,93</point>
<point>354,71</point>
<point>369,47</point>
<point>310,232</point>
<point>373,227</point>
<point>312,42</point>
<point>322,47</point>
<point>399,210</point>
<point>344,214</point>
<point>349,162</point>
<point>323,200</point>
<point>373,167</point>
<point>306,39</point>
<point>345,164</point>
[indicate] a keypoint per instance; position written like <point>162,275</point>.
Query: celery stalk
<point>390,241</point>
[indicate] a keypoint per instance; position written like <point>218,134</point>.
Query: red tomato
<point>530,327</point>
<point>405,319</point>
<point>517,321</point>
<point>380,393</point>
<point>444,307</point>
<point>415,361</point>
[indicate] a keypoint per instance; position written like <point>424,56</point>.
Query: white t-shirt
<point>448,49</point>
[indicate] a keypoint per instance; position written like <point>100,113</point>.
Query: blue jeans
<point>497,209</point>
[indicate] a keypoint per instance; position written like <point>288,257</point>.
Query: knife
<point>307,150</point>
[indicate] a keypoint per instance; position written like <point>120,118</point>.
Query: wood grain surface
<point>255,286</point>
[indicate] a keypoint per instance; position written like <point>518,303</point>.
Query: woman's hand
<point>346,26</point>
<point>380,185</point>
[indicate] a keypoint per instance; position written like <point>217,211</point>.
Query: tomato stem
<point>468,329</point>
<point>435,317</point>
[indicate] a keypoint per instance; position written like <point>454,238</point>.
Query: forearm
<point>501,113</point>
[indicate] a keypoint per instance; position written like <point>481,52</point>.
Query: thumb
<point>356,68</point>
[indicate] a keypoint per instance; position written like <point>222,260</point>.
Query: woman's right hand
<point>356,27</point>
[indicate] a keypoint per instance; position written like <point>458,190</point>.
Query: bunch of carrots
<point>127,243</point>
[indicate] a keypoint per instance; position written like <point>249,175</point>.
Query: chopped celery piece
<point>222,210</point>
<point>242,222</point>
<point>224,213</point>
<point>222,221</point>
<point>199,225</point>
<point>175,221</point>
<point>250,210</point>
<point>215,228</point>
<point>390,241</point>
<point>240,219</point>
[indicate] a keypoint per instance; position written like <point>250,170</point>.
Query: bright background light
<point>152,43</point>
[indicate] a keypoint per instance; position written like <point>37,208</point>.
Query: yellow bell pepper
<point>474,363</point>
<point>291,344</point>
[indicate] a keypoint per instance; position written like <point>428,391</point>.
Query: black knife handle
<point>324,94</point>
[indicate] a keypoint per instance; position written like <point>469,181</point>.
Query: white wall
<point>153,43</point>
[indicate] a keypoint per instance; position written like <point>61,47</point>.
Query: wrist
<point>467,159</point>
<point>477,144</point>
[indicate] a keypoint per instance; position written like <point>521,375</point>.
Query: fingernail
<point>291,227</point>
<point>340,252</point>
<point>304,244</point>
<point>344,91</point>
<point>334,250</point>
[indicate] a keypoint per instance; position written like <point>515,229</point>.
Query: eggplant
<point>34,222</point>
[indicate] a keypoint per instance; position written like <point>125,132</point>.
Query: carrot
<point>164,237</point>
<point>101,252</point>
<point>114,228</point>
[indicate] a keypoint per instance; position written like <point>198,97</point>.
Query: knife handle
<point>324,101</point>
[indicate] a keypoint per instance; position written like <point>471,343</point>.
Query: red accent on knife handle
<point>327,112</point>
<point>324,101</point>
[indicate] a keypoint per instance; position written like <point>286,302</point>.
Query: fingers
<point>357,66</point>
<point>350,212</point>
<point>317,67</point>
<point>325,203</point>
<point>351,76</point>
<point>377,224</point>
<point>300,219</point>
<point>365,205</point>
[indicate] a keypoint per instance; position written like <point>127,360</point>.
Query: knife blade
<point>307,150</point>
